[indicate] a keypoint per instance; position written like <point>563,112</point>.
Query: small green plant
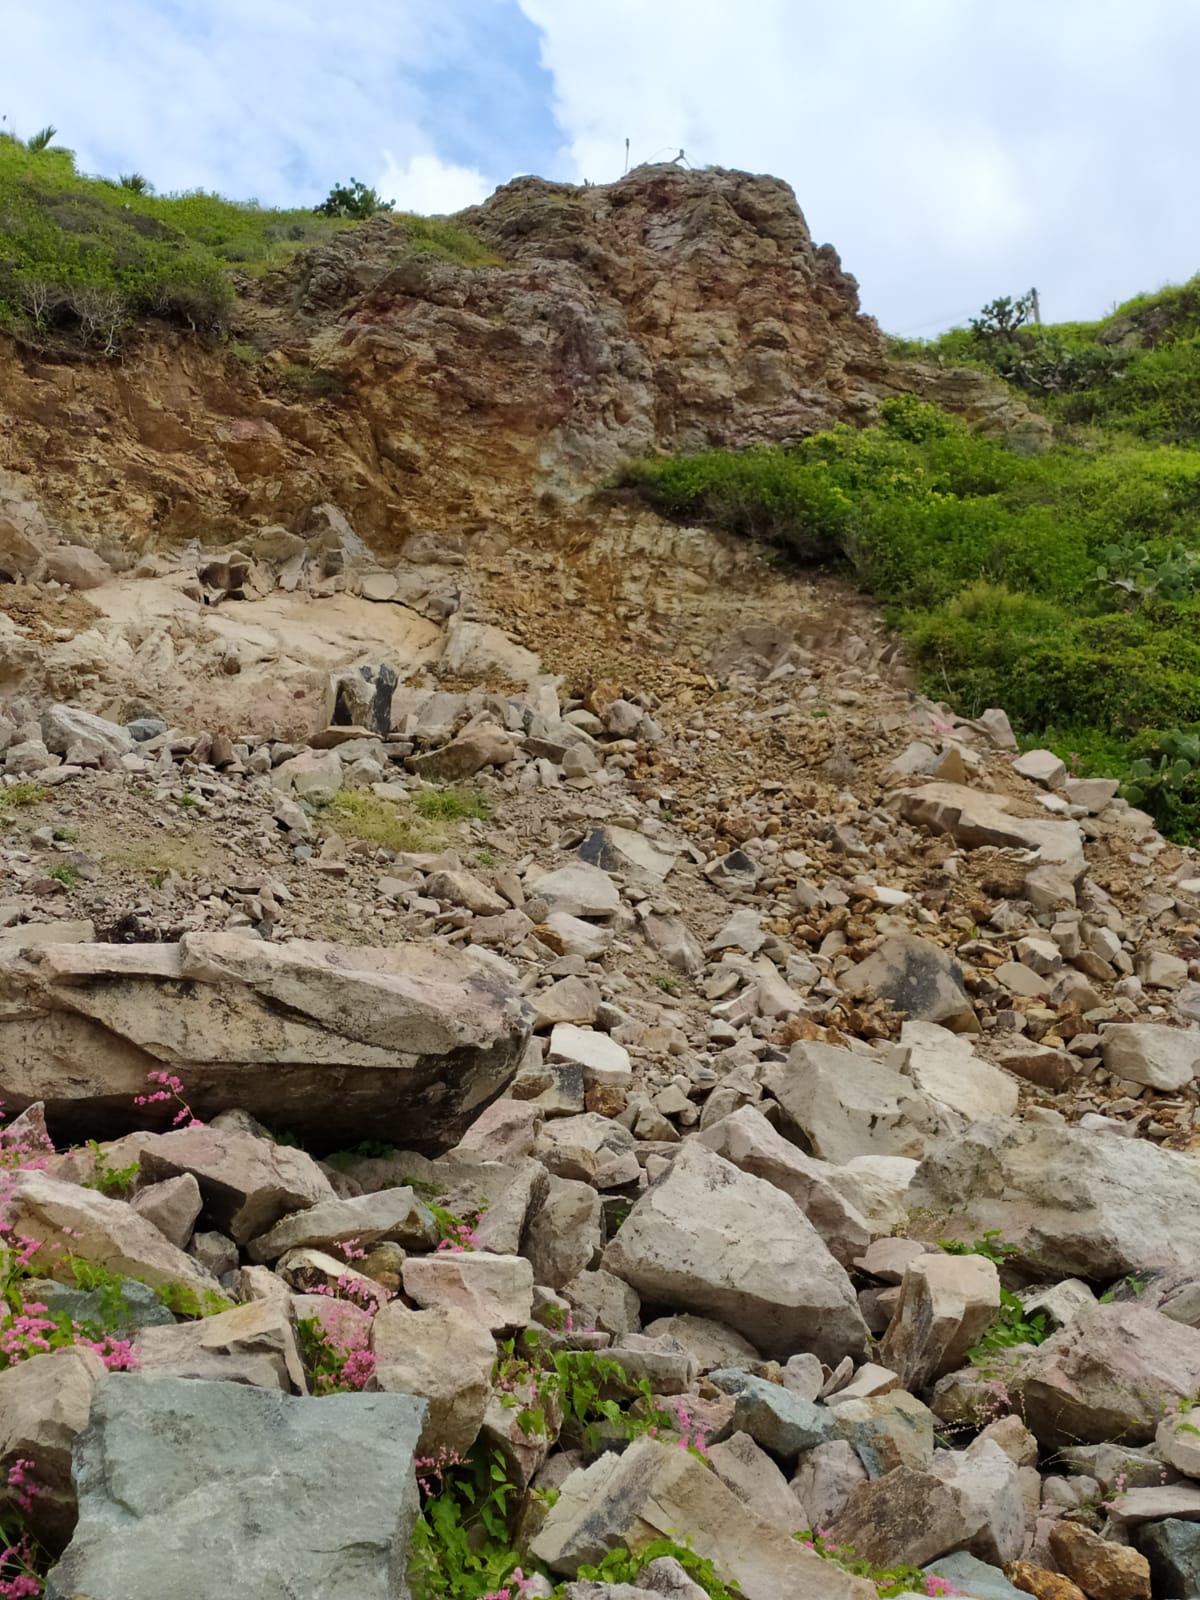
<point>136,183</point>
<point>360,814</point>
<point>581,1385</point>
<point>621,1566</point>
<point>116,1182</point>
<point>187,801</point>
<point>1124,1288</point>
<point>888,1581</point>
<point>668,983</point>
<point>450,805</point>
<point>17,796</point>
<point>183,1301</point>
<point>64,835</point>
<point>485,858</point>
<point>42,139</point>
<point>989,1244</point>
<point>354,200</point>
<point>461,1547</point>
<point>65,874</point>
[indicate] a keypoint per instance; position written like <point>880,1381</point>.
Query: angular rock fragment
<point>947,1303</point>
<point>44,1405</point>
<point>847,1105</point>
<point>709,1239</point>
<point>444,1357</point>
<point>919,978</point>
<point>182,1482</point>
<point>394,1214</point>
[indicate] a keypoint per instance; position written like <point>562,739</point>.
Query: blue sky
<point>952,150</point>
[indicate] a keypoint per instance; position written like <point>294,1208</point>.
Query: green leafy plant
<point>116,1182</point>
<point>17,796</point>
<point>888,1581</point>
<point>65,874</point>
<point>183,1301</point>
<point>461,1547</point>
<point>621,1566</point>
<point>990,1244</point>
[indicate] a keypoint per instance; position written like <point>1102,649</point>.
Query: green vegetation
<point>621,1566</point>
<point>82,259</point>
<point>352,199</point>
<point>116,1182</point>
<point>1064,587</point>
<point>361,814</point>
<point>19,795</point>
<point>888,1581</point>
<point>1012,1324</point>
<point>449,805</point>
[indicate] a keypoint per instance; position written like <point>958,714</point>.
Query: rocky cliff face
<point>670,310</point>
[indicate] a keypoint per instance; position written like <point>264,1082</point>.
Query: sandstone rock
<point>675,943</point>
<point>653,1491</point>
<point>1147,1052</point>
<point>749,1141</point>
<point>590,1148</point>
<point>711,1343</point>
<point>973,818</point>
<point>322,1039</point>
<point>919,978</point>
<point>458,888</point>
<point>564,1235</point>
<point>826,1478</point>
<point>65,726</point>
<point>1041,766</point>
<point>966,1499</point>
<point>394,1214</point>
<point>496,1291</point>
<point>1027,1578</point>
<point>444,1357</point>
<point>44,1405</point>
<point>172,1206</point>
<point>758,1483</point>
<point>253,1344</point>
<point>78,566</point>
<point>945,1068</point>
<point>601,1300</point>
<point>472,751</point>
<point>506,1130</point>
<point>72,1221</point>
<point>847,1105</point>
<point>1103,1570</point>
<point>578,890</point>
<point>247,1183</point>
<point>312,1498</point>
<point>603,1060</point>
<point>947,1303</point>
<point>1177,1442</point>
<point>1071,1200</point>
<point>710,1239</point>
<point>312,775</point>
<point>1111,1373</point>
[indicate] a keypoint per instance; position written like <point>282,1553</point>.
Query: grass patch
<point>18,796</point>
<point>83,259</point>
<point>360,814</point>
<point>1064,587</point>
<point>450,805</point>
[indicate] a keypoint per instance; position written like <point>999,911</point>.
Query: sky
<point>951,150</point>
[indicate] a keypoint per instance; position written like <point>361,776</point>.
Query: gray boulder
<point>183,1483</point>
<point>920,979</point>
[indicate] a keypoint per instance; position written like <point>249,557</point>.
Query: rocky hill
<point>537,1061</point>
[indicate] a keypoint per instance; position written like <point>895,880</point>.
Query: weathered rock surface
<point>715,1241</point>
<point>1073,1201</point>
<point>653,1491</point>
<point>920,980</point>
<point>253,1344</point>
<point>319,1038</point>
<point>45,1402</point>
<point>846,1105</point>
<point>946,1305</point>
<point>444,1357</point>
<point>394,1214</point>
<point>182,1482</point>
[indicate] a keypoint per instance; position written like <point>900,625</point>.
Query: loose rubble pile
<point>626,1099</point>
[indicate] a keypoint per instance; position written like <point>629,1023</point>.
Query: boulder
<point>394,1214</point>
<point>1073,1201</point>
<point>577,889</point>
<point>1111,1373</point>
<point>846,1104</point>
<point>589,1148</point>
<point>78,566</point>
<point>564,1235</point>
<point>973,818</point>
<point>758,1483</point>
<point>1147,1052</point>
<point>653,1491</point>
<point>711,1343</point>
<point>887,1430</point>
<point>947,1303</point>
<point>472,751</point>
<point>774,1417</point>
<point>964,1500</point>
<point>172,1206</point>
<point>919,978</point>
<point>69,1220</point>
<point>183,1482</point>
<point>44,1406</point>
<point>1102,1569</point>
<point>945,1068</point>
<point>710,1239</point>
<point>322,1039</point>
<point>749,1141</point>
<point>826,1478</point>
<point>1172,1548</point>
<point>967,1575</point>
<point>247,1183</point>
<point>601,1301</point>
<point>253,1344</point>
<point>444,1357</point>
<point>63,727</point>
<point>314,775</point>
<point>497,1291</point>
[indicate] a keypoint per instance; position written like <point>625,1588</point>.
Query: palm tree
<point>41,139</point>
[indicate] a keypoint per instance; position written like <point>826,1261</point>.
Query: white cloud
<point>952,150</point>
<point>428,185</point>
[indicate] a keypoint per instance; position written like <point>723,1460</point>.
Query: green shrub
<point>352,199</point>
